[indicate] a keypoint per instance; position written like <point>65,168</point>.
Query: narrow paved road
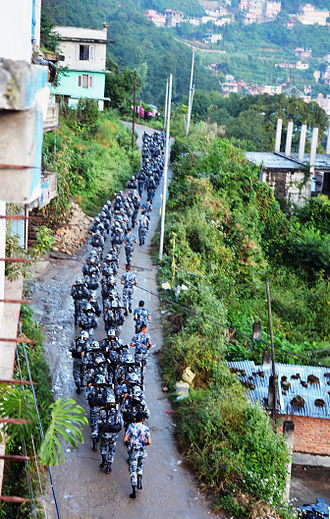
<point>84,492</point>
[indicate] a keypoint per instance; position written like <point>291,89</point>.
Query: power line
<point>39,421</point>
<point>222,325</point>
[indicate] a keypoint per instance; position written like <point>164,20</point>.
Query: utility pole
<point>191,95</point>
<point>166,100</point>
<point>162,222</point>
<point>274,376</point>
<point>134,103</point>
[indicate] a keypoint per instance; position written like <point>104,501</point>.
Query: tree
<point>119,85</point>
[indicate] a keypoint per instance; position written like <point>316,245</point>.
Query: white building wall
<point>2,254</point>
<point>16,44</point>
<point>70,50</point>
<point>81,32</point>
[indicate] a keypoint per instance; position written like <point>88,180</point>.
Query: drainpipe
<point>327,150</point>
<point>278,136</point>
<point>313,149</point>
<point>34,21</point>
<point>302,142</point>
<point>288,141</point>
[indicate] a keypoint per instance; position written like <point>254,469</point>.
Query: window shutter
<point>90,81</point>
<point>79,80</point>
<point>77,52</point>
<point>92,52</point>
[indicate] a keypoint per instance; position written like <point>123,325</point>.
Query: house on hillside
<point>302,397</point>
<point>84,52</point>
<point>294,177</point>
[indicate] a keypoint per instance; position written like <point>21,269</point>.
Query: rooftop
<point>311,383</point>
<point>271,160</point>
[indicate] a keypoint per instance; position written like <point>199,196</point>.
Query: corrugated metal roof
<point>259,377</point>
<point>271,160</point>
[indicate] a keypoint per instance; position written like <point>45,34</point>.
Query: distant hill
<point>188,7</point>
<point>139,44</point>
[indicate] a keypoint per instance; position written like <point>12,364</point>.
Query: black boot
<point>78,390</point>
<point>108,468</point>
<point>139,482</point>
<point>125,313</point>
<point>134,493</point>
<point>94,444</point>
<point>101,465</point>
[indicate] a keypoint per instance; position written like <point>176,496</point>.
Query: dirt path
<point>82,490</point>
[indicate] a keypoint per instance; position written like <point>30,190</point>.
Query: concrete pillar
<point>327,150</point>
<point>288,432</point>
<point>302,142</point>
<point>278,136</point>
<point>313,148</point>
<point>2,254</point>
<point>266,360</point>
<point>288,141</point>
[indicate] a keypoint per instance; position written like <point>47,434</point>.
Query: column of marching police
<point>110,372</point>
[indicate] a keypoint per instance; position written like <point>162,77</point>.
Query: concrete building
<point>309,15</point>
<point>155,17</point>
<point>84,52</point>
<point>24,98</point>
<point>272,9</point>
<point>212,38</point>
<point>173,18</point>
<point>310,413</point>
<point>294,177</point>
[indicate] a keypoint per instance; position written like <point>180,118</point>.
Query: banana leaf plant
<point>67,419</point>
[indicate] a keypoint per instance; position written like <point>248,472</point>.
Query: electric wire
<point>26,462</point>
<point>222,325</point>
<point>39,421</point>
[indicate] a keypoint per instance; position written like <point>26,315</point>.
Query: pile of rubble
<point>68,239</point>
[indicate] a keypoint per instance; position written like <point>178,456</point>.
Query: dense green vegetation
<point>188,7</point>
<point>15,481</point>
<point>225,234</point>
<point>139,44</point>
<point>251,120</point>
<point>89,152</point>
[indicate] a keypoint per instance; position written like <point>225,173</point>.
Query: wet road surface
<point>83,491</point>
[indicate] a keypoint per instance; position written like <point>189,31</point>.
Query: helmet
<point>87,307</point>
<point>95,345</point>
<point>99,359</point>
<point>110,399</point>
<point>137,391</point>
<point>111,333</point>
<point>133,378</point>
<point>114,303</point>
<point>93,252</point>
<point>100,379</point>
<point>112,280</point>
<point>79,281</point>
<point>84,335</point>
<point>128,359</point>
<point>97,219</point>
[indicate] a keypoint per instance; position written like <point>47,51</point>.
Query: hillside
<point>139,44</point>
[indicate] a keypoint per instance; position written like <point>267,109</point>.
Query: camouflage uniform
<point>141,317</point>
<point>130,239</point>
<point>128,280</point>
<point>110,423</point>
<point>143,227</point>
<point>138,435</point>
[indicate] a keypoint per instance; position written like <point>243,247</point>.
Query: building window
<point>85,81</point>
<point>86,52</point>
